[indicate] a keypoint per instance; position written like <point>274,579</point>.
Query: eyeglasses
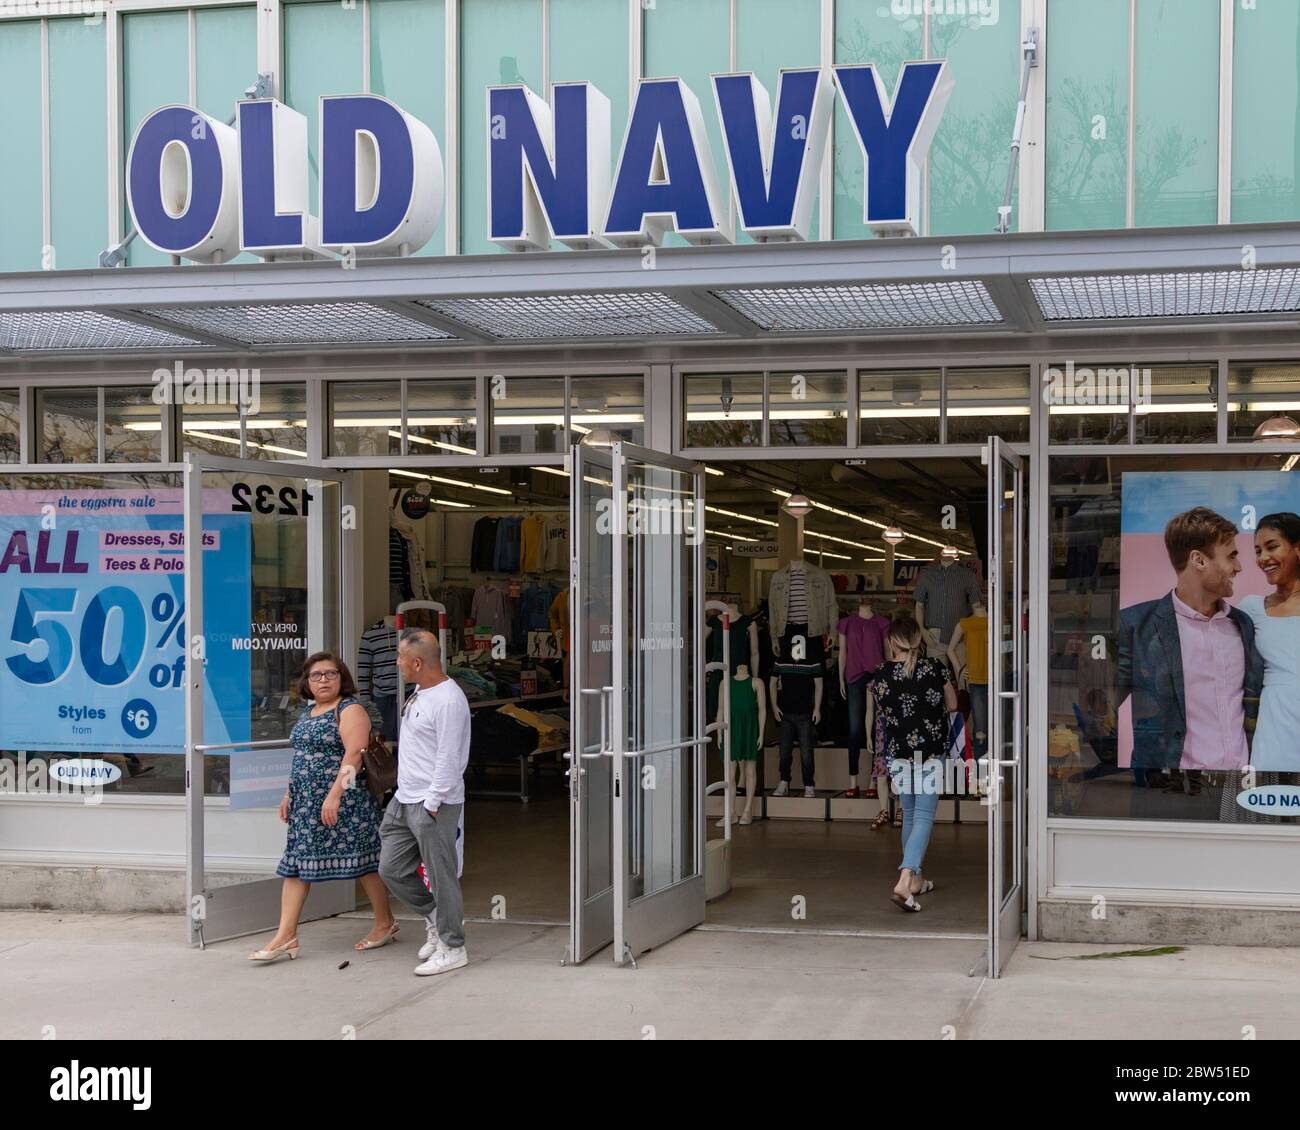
<point>322,676</point>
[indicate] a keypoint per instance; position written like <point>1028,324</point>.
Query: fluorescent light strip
<point>250,443</point>
<point>868,522</point>
<point>435,443</point>
<point>734,537</point>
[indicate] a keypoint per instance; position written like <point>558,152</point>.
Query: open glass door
<point>1007,706</point>
<point>588,654</point>
<point>259,596</point>
<point>658,746</point>
<point>636,772</point>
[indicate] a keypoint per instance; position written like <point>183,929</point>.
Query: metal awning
<point>996,286</point>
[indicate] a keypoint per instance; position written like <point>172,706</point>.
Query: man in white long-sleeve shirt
<point>422,821</point>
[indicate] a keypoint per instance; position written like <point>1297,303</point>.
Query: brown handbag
<point>378,764</point>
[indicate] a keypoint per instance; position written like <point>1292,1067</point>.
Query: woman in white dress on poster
<point>1276,746</point>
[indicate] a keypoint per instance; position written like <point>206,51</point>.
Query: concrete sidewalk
<point>132,976</point>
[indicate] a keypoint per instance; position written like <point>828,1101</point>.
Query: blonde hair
<point>904,639</point>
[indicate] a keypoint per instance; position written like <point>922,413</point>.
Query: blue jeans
<point>856,692</point>
<point>918,788</point>
<point>798,726</point>
<point>979,718</point>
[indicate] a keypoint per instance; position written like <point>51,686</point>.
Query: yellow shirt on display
<point>976,631</point>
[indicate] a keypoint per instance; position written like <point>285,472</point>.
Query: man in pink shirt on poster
<point>1189,661</point>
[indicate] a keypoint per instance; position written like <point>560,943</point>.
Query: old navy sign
<point>203,190</point>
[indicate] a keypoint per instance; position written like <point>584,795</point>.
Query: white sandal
<point>367,944</point>
<point>274,954</point>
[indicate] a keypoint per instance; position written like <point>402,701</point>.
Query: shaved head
<point>422,645</point>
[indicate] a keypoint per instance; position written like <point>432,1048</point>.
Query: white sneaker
<point>443,961</point>
<point>433,945</point>
<point>810,793</point>
<point>783,789</point>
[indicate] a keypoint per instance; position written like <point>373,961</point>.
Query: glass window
<point>10,427</point>
<point>1177,404</point>
<point>1118,742</point>
<point>1263,393</point>
<point>972,149</point>
<point>78,142</point>
<point>724,410</point>
<point>1087,114</point>
<point>133,425</point>
<point>866,31</point>
<point>366,417</point>
<point>898,406</point>
<point>278,429</point>
<point>616,403</point>
<point>690,40</point>
<point>1265,112</point>
<point>808,409</point>
<point>988,402</point>
<point>155,73</point>
<point>500,42</point>
<point>1177,105</point>
<point>213,428</point>
<point>408,48</point>
<point>527,414</point>
<point>22,219</point>
<point>1087,403</point>
<point>68,419</point>
<point>322,55</point>
<point>772,36</point>
<point>442,417</point>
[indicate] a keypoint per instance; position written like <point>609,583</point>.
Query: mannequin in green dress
<point>748,717</point>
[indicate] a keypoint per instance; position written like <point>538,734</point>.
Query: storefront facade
<point>1163,342</point>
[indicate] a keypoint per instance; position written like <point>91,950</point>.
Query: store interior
<point>491,546</point>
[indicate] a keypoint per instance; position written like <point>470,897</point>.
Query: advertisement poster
<point>92,620</point>
<point>1150,645</point>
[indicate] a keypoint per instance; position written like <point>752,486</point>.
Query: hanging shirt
<point>556,556</point>
<point>396,559</point>
<point>534,608</point>
<point>532,543</point>
<point>507,548</point>
<point>482,558</point>
<point>377,661</point>
<point>491,609</point>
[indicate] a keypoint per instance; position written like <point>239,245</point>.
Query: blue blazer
<point>1151,672</point>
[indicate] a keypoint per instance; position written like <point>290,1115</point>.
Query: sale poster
<point>92,621</point>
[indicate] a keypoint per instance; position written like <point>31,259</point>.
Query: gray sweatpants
<point>410,836</point>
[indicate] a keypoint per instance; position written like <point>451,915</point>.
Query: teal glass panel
<point>690,40</point>
<point>322,55</point>
<point>22,219</point>
<point>500,42</point>
<point>155,73</point>
<point>588,40</point>
<point>1176,100</point>
<point>225,58</point>
<point>866,31</point>
<point>772,36</point>
<point>1266,112</point>
<point>972,150</point>
<point>225,48</point>
<point>408,63</point>
<point>78,142</point>
<point>1087,114</point>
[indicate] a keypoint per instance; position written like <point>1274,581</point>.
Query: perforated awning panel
<point>867,307</point>
<point>1182,295</point>
<point>541,316</point>
<point>78,330</point>
<point>335,323</point>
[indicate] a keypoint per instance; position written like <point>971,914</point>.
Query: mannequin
<point>748,717</point>
<point>968,652</point>
<point>801,601</point>
<point>377,671</point>
<point>861,651</point>
<point>944,594</point>
<point>797,706</point>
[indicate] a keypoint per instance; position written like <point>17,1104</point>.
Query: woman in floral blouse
<point>914,697</point>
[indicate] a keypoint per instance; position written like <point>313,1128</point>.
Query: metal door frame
<point>1004,906</point>
<point>213,914</point>
<point>653,919</point>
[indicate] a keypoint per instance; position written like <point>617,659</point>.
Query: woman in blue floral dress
<point>333,820</point>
